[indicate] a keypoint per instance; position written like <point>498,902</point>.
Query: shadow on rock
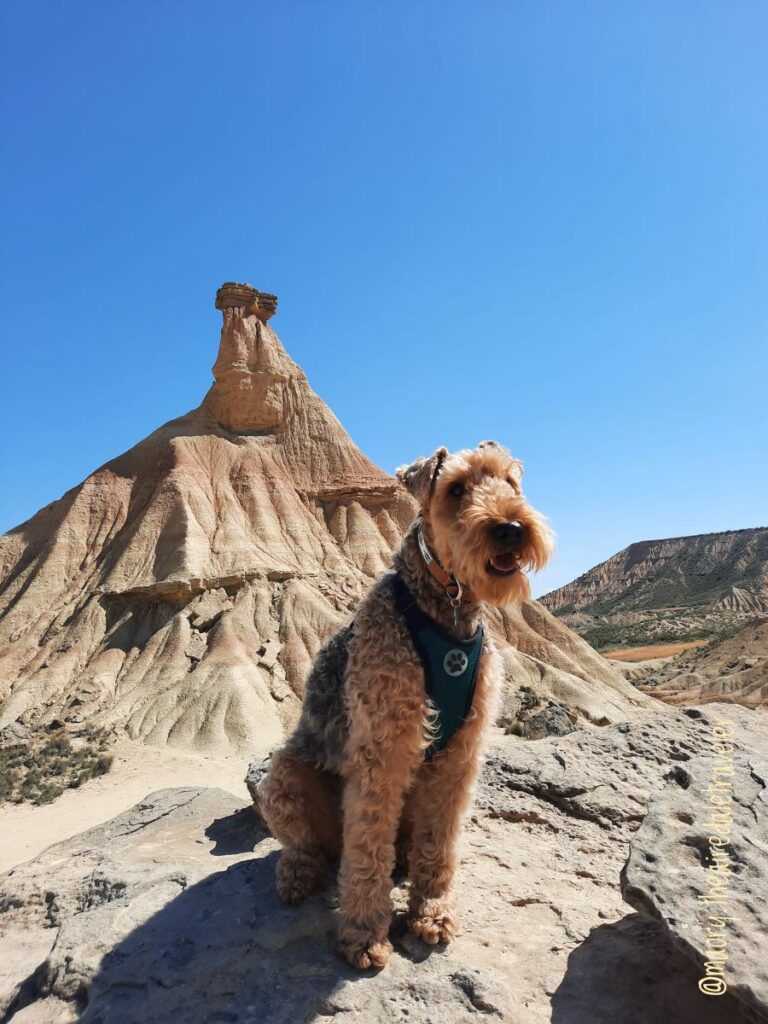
<point>631,972</point>
<point>224,950</point>
<point>238,832</point>
<point>145,933</point>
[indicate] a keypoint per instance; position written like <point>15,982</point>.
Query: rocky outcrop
<point>168,913</point>
<point>698,862</point>
<point>232,295</point>
<point>743,601</point>
<point>523,713</point>
<point>180,592</point>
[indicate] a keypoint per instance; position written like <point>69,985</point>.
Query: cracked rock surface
<point>168,913</point>
<point>699,862</point>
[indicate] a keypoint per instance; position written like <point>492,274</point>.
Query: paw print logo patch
<point>455,662</point>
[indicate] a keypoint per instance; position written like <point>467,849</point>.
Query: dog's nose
<point>510,535</point>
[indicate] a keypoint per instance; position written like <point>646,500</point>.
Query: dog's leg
<point>385,749</point>
<point>403,841</point>
<point>302,808</point>
<point>436,805</point>
<point>371,813</point>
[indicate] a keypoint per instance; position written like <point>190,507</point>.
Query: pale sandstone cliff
<point>180,592</point>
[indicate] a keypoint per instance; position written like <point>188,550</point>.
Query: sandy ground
<point>653,651</point>
<point>137,770</point>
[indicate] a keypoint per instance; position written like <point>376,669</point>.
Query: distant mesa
<point>674,572</point>
<point>706,587</point>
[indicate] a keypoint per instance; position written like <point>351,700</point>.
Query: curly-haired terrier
<point>390,737</point>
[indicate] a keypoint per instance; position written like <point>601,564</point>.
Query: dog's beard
<point>500,590</point>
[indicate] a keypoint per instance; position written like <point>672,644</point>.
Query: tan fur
<point>436,805</point>
<point>382,794</point>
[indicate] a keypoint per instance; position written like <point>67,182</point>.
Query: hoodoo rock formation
<point>177,596</point>
<point>180,592</point>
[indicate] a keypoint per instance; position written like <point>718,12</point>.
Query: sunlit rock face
<point>252,367</point>
<point>180,592</point>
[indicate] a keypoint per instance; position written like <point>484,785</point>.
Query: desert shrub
<point>40,769</point>
<point>607,636</point>
<point>565,609</point>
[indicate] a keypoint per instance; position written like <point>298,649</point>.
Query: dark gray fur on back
<point>322,730</point>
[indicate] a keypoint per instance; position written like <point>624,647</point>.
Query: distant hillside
<point>731,668</point>
<point>666,590</point>
<point>679,571</point>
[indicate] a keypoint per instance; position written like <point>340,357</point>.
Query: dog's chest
<point>450,667</point>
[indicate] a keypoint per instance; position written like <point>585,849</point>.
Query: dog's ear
<point>419,478</point>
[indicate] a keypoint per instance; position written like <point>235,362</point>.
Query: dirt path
<point>137,770</point>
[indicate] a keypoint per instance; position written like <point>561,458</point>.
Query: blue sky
<point>543,222</point>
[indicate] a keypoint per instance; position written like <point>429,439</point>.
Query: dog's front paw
<point>362,948</point>
<point>299,874</point>
<point>434,921</point>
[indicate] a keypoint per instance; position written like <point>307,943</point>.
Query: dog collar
<point>453,587</point>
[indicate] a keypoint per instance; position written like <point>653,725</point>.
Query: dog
<point>389,742</point>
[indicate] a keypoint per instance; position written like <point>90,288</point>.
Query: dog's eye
<point>456,490</point>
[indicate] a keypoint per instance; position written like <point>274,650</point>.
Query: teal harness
<point>450,666</point>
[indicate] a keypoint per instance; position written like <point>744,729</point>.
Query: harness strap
<point>450,666</point>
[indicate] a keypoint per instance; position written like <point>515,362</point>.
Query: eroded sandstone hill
<point>180,592</point>
<point>733,668</point>
<point>680,588</point>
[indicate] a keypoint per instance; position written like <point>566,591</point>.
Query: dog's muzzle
<point>509,537</point>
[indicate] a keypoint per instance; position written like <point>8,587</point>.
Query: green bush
<point>608,636</point>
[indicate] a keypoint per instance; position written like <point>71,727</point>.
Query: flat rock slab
<point>699,862</point>
<point>168,913</point>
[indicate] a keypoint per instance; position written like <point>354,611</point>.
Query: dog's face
<point>480,526</point>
